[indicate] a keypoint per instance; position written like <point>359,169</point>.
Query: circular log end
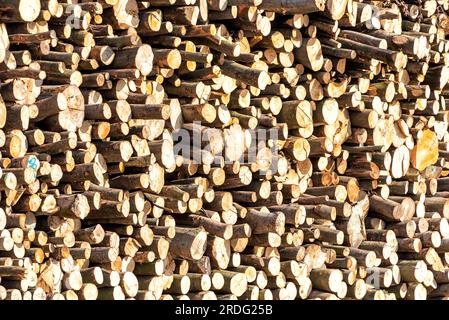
<point>144,59</point>
<point>198,246</point>
<point>29,9</point>
<point>238,284</point>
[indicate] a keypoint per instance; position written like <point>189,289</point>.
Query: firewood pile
<point>224,149</point>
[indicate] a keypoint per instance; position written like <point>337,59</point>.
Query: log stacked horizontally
<point>346,196</point>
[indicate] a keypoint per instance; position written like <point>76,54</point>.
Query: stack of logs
<point>346,196</point>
